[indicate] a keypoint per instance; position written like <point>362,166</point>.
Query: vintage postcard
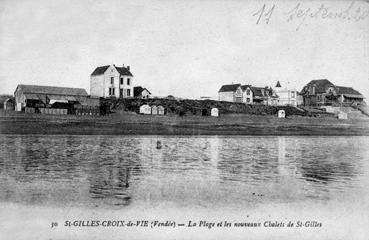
<point>169,119</point>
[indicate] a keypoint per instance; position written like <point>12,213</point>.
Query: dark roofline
<point>229,87</point>
<point>125,71</point>
<point>43,86</point>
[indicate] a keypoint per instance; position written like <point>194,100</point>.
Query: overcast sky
<point>184,48</point>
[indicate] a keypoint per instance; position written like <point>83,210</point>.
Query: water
<point>206,172</point>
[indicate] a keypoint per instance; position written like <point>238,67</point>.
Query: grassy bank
<point>126,123</point>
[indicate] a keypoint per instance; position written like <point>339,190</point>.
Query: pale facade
<point>111,81</point>
<point>248,95</point>
<point>285,96</point>
<point>231,93</point>
<point>226,96</point>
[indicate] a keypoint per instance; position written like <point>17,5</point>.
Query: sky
<point>185,48</point>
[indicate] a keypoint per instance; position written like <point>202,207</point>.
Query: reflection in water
<point>121,170</point>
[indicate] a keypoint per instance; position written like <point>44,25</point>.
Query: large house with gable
<point>111,81</point>
<point>324,92</point>
<point>247,94</point>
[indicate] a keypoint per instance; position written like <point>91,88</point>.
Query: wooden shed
<point>154,110</point>
<point>281,114</point>
<point>161,110</point>
<point>9,104</point>
<point>215,112</point>
<point>145,109</point>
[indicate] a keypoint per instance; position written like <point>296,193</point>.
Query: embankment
<point>127,123</point>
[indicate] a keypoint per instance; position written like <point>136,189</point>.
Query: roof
<point>244,87</point>
<point>261,91</point>
<point>101,70</point>
<point>138,90</point>
<point>50,90</point>
<point>123,71</point>
<point>229,88</point>
<point>321,85</point>
<point>346,90</point>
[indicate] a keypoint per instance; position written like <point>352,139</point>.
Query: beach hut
<point>145,109</point>
<point>342,115</point>
<point>154,110</point>
<point>9,104</point>
<point>281,114</point>
<point>161,110</point>
<point>214,112</point>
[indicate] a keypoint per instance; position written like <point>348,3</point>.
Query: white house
<point>246,94</point>
<point>230,93</point>
<point>285,96</point>
<point>111,81</point>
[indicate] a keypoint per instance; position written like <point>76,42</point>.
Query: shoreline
<point>126,123</point>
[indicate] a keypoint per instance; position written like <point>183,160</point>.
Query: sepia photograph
<point>170,119</point>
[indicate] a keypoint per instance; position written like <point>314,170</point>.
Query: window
<point>111,91</point>
<point>121,92</point>
<point>128,81</point>
<point>248,100</point>
<point>238,99</point>
<point>128,92</point>
<point>248,92</point>
<point>121,81</point>
<point>112,80</point>
<point>292,94</point>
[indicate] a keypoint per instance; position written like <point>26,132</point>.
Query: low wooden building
<point>45,96</point>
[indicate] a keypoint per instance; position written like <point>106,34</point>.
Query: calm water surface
<point>116,171</point>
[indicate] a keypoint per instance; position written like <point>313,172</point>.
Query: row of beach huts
<point>160,110</point>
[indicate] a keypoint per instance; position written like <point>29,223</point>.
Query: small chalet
<point>140,92</point>
<point>324,92</point>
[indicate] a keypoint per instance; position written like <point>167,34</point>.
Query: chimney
<point>123,65</point>
<point>128,68</point>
